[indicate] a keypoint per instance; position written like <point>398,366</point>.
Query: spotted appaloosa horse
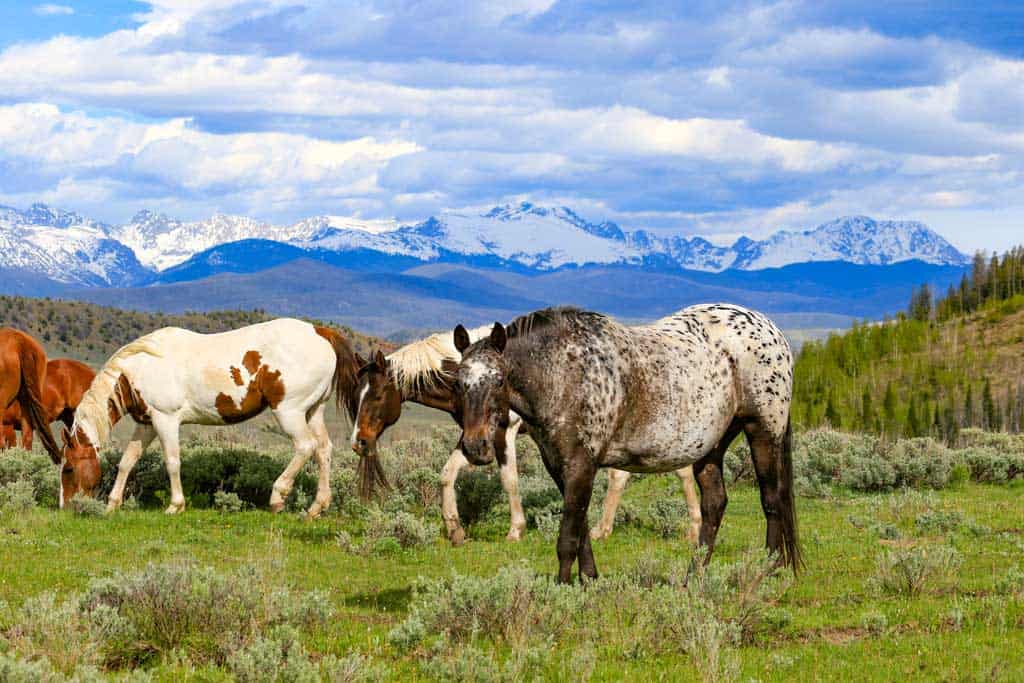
<point>173,377</point>
<point>654,398</point>
<point>66,382</point>
<point>22,378</point>
<point>423,372</point>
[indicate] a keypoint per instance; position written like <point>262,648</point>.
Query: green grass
<point>825,639</point>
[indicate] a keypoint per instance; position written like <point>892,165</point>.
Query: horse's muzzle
<point>478,451</point>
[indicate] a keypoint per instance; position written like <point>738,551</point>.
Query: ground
<point>831,606</point>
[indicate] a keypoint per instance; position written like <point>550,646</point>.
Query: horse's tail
<point>787,505</point>
<point>345,380</point>
<point>30,397</point>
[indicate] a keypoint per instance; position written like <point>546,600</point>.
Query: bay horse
<point>66,382</point>
<point>652,398</point>
<point>423,372</point>
<point>22,378</point>
<point>173,376</point>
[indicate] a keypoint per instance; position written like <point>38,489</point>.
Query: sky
<point>712,118</point>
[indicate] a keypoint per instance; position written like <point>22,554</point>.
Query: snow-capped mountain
<point>161,242</point>
<point>546,239</point>
<point>69,248</point>
<point>66,247</point>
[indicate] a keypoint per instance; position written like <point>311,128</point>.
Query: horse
<point>422,372</point>
<point>66,382</point>
<point>173,376</point>
<point>22,378</point>
<point>653,398</point>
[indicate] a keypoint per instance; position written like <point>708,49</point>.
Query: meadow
<point>914,570</point>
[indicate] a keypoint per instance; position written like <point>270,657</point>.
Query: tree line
<point>945,364</point>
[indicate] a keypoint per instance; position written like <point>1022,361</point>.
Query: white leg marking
<point>449,508</point>
<point>616,485</point>
<point>323,458</point>
<point>167,427</point>
<point>692,502</point>
<point>510,482</point>
<point>295,425</point>
<point>140,440</point>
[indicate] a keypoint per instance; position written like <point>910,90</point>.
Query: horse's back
<point>759,353</point>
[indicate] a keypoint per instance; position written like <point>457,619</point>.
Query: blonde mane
<point>93,414</point>
<point>419,366</point>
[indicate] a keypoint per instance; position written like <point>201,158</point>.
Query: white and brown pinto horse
<point>173,377</point>
<point>654,398</point>
<point>423,372</point>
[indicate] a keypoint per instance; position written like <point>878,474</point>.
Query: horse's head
<point>482,395</point>
<point>80,467</point>
<point>380,404</point>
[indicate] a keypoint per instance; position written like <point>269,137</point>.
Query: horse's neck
<point>438,395</point>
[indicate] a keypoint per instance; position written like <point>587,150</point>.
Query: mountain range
<point>479,265</point>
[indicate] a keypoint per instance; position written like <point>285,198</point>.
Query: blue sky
<point>720,119</point>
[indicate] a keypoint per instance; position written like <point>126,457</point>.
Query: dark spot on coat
<point>265,390</point>
<point>251,361</point>
<point>236,376</point>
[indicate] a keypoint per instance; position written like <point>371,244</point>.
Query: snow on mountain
<point>161,242</point>
<point>66,247</point>
<point>70,248</point>
<point>857,239</point>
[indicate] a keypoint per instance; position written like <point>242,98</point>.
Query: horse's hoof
<point>276,507</point>
<point>314,511</point>
<point>173,509</point>
<point>457,537</point>
<point>596,534</point>
<point>514,535</point>
<point>112,506</point>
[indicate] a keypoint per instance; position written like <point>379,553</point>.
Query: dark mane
<point>551,319</point>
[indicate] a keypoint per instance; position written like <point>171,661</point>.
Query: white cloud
<point>49,10</point>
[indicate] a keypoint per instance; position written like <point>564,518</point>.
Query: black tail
<point>791,554</point>
<point>30,396</point>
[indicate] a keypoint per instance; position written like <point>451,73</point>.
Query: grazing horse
<point>66,382</point>
<point>653,398</point>
<point>22,378</point>
<point>173,377</point>
<point>422,372</point>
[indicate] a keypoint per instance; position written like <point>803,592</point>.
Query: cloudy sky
<point>725,118</point>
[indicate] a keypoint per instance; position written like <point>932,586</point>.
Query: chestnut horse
<point>66,381</point>
<point>653,398</point>
<point>174,376</point>
<point>423,372</point>
<point>22,378</point>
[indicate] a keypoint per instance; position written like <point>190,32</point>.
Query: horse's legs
<point>295,425</point>
<point>449,507</point>
<point>713,499</point>
<point>692,503</point>
<point>573,539</point>
<point>167,428</point>
<point>510,482</point>
<point>26,434</point>
<point>323,458</point>
<point>140,440</point>
<point>616,485</point>
<point>767,452</point>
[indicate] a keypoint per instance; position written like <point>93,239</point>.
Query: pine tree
<point>989,412</point>
<point>913,421</point>
<point>968,417</point>
<point>867,410</point>
<point>889,406</point>
<point>831,414</point>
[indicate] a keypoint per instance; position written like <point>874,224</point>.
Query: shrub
<point>909,571</point>
<point>874,623</point>
<point>989,465</point>
<point>1012,582</point>
<point>278,657</point>
<point>86,506</point>
<point>406,529</point>
<point>227,502</point>
<point>17,465</point>
<point>476,492</point>
<point>207,614</point>
<point>665,516</point>
<point>939,521</point>
<point>17,497</point>
<point>921,463</point>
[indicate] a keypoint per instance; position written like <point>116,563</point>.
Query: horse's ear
<point>461,338</point>
<point>65,434</point>
<point>380,360</point>
<point>499,337</point>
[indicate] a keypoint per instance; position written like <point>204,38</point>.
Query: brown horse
<point>22,378</point>
<point>66,381</point>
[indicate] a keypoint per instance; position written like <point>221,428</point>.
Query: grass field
<point>832,622</point>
